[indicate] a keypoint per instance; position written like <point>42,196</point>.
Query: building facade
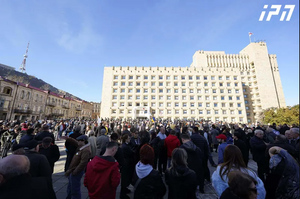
<point>215,87</point>
<point>96,110</point>
<point>20,101</point>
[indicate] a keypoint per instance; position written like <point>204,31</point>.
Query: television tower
<point>23,65</point>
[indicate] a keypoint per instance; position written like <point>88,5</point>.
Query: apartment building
<point>20,101</point>
<point>216,87</point>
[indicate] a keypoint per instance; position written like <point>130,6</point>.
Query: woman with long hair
<point>233,160</point>
<point>181,180</point>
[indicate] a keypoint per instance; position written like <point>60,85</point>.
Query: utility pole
<point>23,65</point>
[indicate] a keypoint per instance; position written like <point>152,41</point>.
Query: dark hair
<point>145,137</point>
<point>232,158</point>
<point>179,157</point>
<point>124,138</point>
<point>173,132</point>
<point>240,184</point>
<point>184,129</point>
<point>114,136</point>
<point>185,136</point>
<point>111,145</point>
<point>147,154</point>
<point>29,131</point>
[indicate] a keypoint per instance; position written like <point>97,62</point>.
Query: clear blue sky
<point>71,41</point>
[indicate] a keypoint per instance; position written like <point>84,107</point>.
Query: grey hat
<point>82,137</point>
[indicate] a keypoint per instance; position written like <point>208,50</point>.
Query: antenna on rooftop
<point>23,65</point>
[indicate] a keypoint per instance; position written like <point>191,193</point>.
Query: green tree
<point>288,115</point>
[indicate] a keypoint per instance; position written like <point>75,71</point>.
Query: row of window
<point>213,84</point>
<point>176,97</point>
<point>200,112</point>
<point>175,90</point>
<point>176,77</point>
<point>183,104</point>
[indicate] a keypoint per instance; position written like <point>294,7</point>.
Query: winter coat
<point>26,187</point>
<point>221,149</point>
<point>39,165</point>
<point>214,133</point>
<point>286,166</point>
<point>258,149</point>
<point>26,138</point>
<point>245,152</point>
<point>40,136</point>
<point>71,147</point>
<point>80,160</point>
<point>182,183</point>
<point>102,177</point>
<point>171,142</point>
<point>195,159</point>
<point>220,185</point>
<point>92,141</point>
<point>52,154</point>
<point>150,185</point>
<point>200,142</point>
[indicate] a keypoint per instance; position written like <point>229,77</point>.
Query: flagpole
<point>250,38</point>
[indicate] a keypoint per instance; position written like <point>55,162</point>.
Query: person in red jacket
<point>102,175</point>
<point>171,142</point>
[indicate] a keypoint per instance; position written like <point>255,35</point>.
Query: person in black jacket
<point>258,147</point>
<point>128,166</point>
<point>242,146</point>
<point>181,180</point>
<point>51,151</point>
<point>18,183</point>
<point>147,181</point>
<point>201,142</point>
<point>45,133</point>
<point>195,158</point>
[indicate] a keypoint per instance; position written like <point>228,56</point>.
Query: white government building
<point>215,87</point>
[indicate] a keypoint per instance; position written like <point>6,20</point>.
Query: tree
<point>288,115</point>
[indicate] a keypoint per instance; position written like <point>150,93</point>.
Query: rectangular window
<point>116,77</point>
<point>191,97</point>
<point>197,77</point>
<point>212,77</point>
<point>123,77</point>
<point>160,77</point>
<point>182,77</point>
<point>161,83</point>
<point>199,104</point>
<point>190,77</point>
<point>130,77</point>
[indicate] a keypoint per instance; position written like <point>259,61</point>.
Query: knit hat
<point>221,136</point>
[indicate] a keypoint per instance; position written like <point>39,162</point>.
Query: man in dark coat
<point>258,147</point>
<point>194,160</point>
<point>39,166</point>
<point>45,133</point>
<point>242,146</point>
<point>51,151</point>
<point>201,142</point>
<point>18,183</point>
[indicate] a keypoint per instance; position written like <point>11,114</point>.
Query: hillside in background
<point>11,74</point>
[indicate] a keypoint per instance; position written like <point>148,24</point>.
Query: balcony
<point>22,111</point>
<point>4,108</point>
<point>52,104</point>
<point>78,109</point>
<point>55,115</point>
<point>65,106</point>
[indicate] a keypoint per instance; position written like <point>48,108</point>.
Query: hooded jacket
<point>102,177</point>
<point>171,142</point>
<point>151,185</point>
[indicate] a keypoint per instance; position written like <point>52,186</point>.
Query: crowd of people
<point>152,156</point>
